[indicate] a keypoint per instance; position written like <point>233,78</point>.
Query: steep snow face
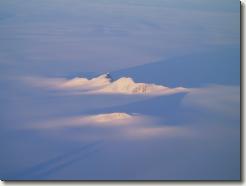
<point>104,84</point>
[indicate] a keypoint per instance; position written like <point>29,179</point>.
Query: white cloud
<point>103,85</point>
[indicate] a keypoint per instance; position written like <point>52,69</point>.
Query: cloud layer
<point>217,99</point>
<point>113,126</point>
<point>96,120</point>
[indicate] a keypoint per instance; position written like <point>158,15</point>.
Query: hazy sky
<point>110,35</point>
<point>49,132</point>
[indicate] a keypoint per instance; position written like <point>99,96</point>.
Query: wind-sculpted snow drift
<point>104,84</point>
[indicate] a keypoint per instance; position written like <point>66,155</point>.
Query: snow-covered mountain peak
<point>109,117</point>
<point>105,77</point>
<point>104,84</point>
<point>126,85</point>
